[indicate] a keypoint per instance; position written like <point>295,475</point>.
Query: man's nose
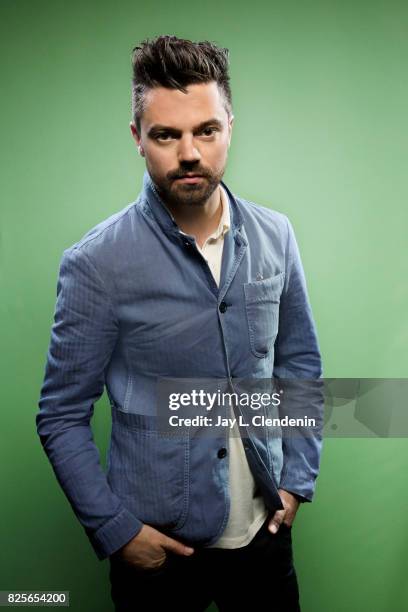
<point>187,151</point>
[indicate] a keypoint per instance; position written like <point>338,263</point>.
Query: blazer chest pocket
<point>262,300</point>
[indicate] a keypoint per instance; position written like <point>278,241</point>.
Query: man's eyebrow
<point>165,128</point>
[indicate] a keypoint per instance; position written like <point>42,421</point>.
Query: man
<point>189,281</point>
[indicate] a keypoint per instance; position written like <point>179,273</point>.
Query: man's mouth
<point>191,178</point>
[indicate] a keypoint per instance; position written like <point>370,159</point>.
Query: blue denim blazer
<point>137,301</point>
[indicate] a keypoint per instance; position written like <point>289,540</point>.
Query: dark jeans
<point>260,576</point>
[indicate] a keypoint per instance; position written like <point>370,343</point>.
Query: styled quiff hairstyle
<point>172,62</point>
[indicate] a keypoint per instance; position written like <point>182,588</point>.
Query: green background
<point>320,101</point>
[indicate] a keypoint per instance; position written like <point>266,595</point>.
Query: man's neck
<point>199,221</point>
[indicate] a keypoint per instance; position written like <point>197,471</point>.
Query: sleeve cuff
<point>115,533</point>
<point>302,493</point>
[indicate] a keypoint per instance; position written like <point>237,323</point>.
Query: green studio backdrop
<point>320,100</point>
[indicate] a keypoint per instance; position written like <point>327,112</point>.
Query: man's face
<point>185,134</point>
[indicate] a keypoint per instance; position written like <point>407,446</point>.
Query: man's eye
<point>163,136</point>
<point>209,131</point>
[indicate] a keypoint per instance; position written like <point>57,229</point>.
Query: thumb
<point>276,521</point>
<point>176,547</point>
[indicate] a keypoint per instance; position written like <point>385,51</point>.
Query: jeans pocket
<point>154,571</point>
<point>124,568</point>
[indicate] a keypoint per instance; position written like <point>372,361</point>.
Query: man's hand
<point>287,515</point>
<point>147,550</point>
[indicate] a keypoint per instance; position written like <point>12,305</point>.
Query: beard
<point>176,193</point>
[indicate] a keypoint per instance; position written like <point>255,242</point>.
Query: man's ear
<point>230,124</point>
<point>136,137</point>
<point>134,132</point>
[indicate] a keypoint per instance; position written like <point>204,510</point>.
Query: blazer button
<point>223,307</point>
<point>221,453</point>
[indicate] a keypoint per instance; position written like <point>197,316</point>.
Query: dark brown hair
<point>173,62</point>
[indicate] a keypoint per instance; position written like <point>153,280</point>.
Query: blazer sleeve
<point>83,337</point>
<point>298,364</point>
